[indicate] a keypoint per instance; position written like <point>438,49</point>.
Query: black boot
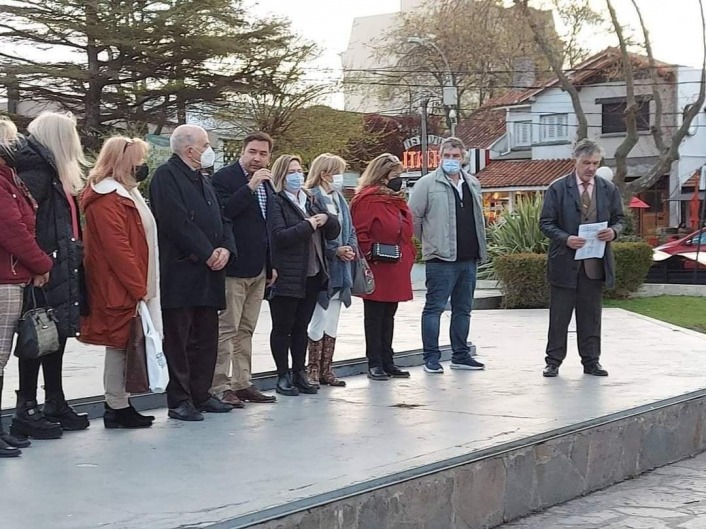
<point>285,386</point>
<point>57,410</point>
<point>29,421</point>
<point>301,381</point>
<point>124,418</point>
<point>6,437</point>
<point>148,417</point>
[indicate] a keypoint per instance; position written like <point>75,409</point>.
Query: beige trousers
<point>114,378</point>
<point>236,325</point>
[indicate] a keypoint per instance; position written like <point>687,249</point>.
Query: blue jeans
<point>458,282</point>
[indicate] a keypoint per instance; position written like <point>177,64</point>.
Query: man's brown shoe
<point>252,394</point>
<point>229,397</point>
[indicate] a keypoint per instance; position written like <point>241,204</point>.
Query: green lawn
<point>685,311</point>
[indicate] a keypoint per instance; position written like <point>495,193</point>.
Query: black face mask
<point>142,172</point>
<point>395,184</point>
<point>9,152</point>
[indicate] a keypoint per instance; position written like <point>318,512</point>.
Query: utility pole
<point>425,147</point>
<point>702,218</point>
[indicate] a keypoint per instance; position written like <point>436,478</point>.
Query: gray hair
<point>184,136</point>
<point>586,147</point>
<point>451,143</point>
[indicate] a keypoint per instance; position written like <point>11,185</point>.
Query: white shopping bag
<point>157,371</point>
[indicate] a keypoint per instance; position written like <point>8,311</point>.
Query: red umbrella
<point>638,204</point>
<point>694,204</point>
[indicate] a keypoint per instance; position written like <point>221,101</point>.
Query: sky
<point>674,24</point>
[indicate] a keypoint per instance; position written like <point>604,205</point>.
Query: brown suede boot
<point>314,367</point>
<point>328,377</point>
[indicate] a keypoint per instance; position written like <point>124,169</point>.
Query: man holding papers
<point>582,213</point>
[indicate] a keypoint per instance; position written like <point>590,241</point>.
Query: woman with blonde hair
<point>22,261</point>
<point>121,261</point>
<point>325,181</point>
<point>51,166</point>
<point>299,227</point>
<point>381,217</point>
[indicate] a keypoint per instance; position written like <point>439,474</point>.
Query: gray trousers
<point>587,300</point>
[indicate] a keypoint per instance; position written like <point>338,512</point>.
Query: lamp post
<point>450,90</point>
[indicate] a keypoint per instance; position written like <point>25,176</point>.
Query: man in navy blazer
<point>244,190</point>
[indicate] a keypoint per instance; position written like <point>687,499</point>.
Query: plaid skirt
<point>10,311</point>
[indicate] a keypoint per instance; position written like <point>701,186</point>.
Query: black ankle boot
<point>57,410</point>
<point>124,418</point>
<point>301,380</point>
<point>29,421</point>
<point>148,417</point>
<point>285,386</point>
<point>7,450</point>
<point>6,437</point>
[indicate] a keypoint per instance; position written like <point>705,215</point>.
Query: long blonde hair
<point>379,169</point>
<point>280,169</point>
<point>324,164</point>
<point>118,159</point>
<point>57,132</point>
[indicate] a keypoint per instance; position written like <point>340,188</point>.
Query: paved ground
<point>672,497</point>
<point>269,455</point>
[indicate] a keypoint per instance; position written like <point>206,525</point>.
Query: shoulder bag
<point>37,333</point>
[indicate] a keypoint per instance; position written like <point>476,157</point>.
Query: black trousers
<point>191,348</point>
<point>587,300</point>
<point>52,366</point>
<point>290,321</point>
<point>379,320</point>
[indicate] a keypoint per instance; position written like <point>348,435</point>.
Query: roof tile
<point>523,173</point>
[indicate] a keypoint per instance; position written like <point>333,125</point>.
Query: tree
<point>142,61</point>
<point>629,67</point>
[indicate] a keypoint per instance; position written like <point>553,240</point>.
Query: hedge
<point>524,284</point>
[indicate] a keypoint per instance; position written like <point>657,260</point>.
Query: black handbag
<point>37,333</point>
<point>387,253</point>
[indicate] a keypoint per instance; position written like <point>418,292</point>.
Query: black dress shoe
<point>377,373</point>
<point>596,370</point>
<point>185,412</point>
<point>300,379</point>
<point>550,371</point>
<point>395,372</point>
<point>285,386</point>
<point>214,405</point>
<point>124,418</point>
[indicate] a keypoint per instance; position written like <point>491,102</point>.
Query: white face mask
<point>208,158</point>
<point>338,182</point>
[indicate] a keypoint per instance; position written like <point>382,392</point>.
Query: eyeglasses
<point>128,142</point>
<point>392,158</point>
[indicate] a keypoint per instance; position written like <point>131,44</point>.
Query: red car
<point>688,247</point>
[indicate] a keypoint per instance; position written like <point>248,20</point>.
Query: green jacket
<point>434,209</point>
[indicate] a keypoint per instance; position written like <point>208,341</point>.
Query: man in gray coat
<point>579,198</point>
<point>448,219</point>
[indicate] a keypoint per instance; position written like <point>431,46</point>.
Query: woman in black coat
<point>299,228</point>
<point>50,165</point>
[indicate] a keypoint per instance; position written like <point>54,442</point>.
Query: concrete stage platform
<point>459,450</point>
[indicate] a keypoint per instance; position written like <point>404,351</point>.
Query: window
<point>699,240</point>
<point>614,116</point>
<point>522,134</point>
<point>554,127</point>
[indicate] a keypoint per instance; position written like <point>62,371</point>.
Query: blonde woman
<point>325,182</point>
<point>22,261</point>
<point>121,261</point>
<point>51,165</point>
<point>381,215</point>
<point>299,227</point>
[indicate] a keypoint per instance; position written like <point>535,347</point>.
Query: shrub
<point>523,278</point>
<point>632,262</point>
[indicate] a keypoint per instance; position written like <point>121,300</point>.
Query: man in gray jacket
<point>448,219</point>
<point>579,198</point>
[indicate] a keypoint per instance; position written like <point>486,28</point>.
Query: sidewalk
<point>672,497</point>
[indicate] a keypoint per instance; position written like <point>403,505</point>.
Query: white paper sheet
<point>593,249</point>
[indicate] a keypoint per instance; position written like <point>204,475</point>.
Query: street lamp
<point>450,91</point>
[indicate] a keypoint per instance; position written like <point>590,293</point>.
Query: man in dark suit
<point>244,189</point>
<point>579,198</point>
<point>195,245</point>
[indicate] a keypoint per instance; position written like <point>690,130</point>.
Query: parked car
<point>674,258</point>
<point>688,244</point>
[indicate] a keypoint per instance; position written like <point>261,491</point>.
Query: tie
<point>585,198</point>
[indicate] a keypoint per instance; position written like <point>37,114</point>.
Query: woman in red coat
<point>121,265</point>
<point>380,215</point>
<point>22,261</point>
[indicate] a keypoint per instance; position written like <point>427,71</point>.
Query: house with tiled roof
<point>526,135</point>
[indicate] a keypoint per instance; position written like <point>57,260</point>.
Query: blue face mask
<point>451,166</point>
<point>294,182</point>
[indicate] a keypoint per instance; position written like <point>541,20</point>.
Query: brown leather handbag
<point>136,379</point>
